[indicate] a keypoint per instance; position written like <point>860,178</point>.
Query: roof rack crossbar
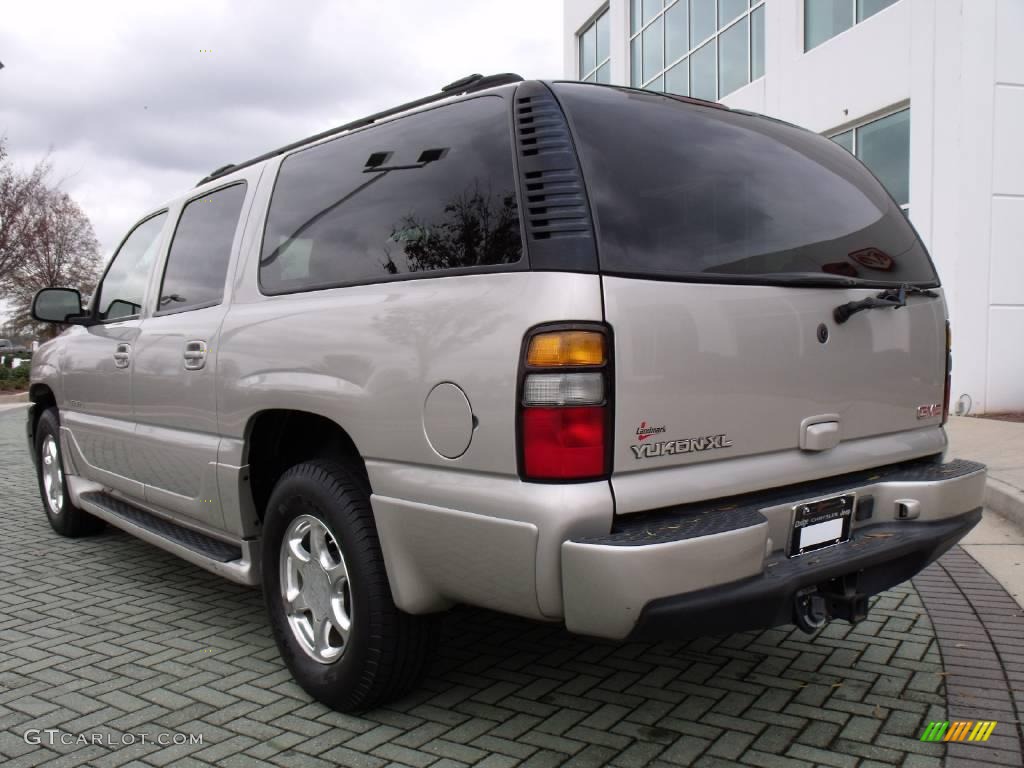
<point>469,84</point>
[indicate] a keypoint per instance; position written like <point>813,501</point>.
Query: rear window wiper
<point>890,298</point>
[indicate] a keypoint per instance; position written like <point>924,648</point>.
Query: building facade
<point>929,94</point>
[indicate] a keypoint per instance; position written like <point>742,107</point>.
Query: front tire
<point>65,518</point>
<point>327,593</point>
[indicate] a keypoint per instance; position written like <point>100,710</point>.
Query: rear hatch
<point>726,241</point>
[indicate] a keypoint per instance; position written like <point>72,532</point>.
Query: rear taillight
<point>949,373</point>
<point>564,403</point>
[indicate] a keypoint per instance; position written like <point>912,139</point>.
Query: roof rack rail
<point>468,84</point>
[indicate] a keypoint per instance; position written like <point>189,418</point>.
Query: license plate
<point>821,523</point>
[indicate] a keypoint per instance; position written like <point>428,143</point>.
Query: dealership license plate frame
<point>814,523</point>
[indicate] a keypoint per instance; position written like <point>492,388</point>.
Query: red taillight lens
<point>564,443</point>
<point>565,403</point>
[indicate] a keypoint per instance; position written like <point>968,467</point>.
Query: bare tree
<point>59,250</point>
<point>17,192</point>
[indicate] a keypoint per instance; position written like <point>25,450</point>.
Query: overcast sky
<point>135,111</point>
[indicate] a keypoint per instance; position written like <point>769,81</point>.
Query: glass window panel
<point>732,58</point>
<point>651,9</point>
<point>757,43</point>
<point>729,10</point>
<point>588,50</point>
<point>677,31</point>
<point>677,79</point>
<point>702,20</point>
<point>120,293</point>
<point>658,84</point>
<point>654,62</point>
<point>866,8</point>
<point>457,211</point>
<point>718,191</point>
<point>635,21</point>
<point>603,35</point>
<point>197,263</point>
<point>702,72</point>
<point>635,63</point>
<point>604,73</point>
<point>844,140</point>
<point>884,147</point>
<point>824,19</point>
<point>591,78</point>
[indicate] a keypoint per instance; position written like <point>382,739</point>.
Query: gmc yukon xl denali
<point>639,364</point>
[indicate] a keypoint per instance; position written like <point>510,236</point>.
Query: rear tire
<point>335,622</point>
<point>65,518</point>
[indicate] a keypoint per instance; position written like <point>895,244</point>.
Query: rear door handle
<point>122,355</point>
<point>195,355</point>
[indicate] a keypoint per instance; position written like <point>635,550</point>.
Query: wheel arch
<point>41,397</point>
<point>279,438</point>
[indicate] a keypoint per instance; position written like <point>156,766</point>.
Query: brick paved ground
<point>109,635</point>
<point>980,630</point>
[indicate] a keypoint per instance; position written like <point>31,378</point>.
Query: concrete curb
<point>1005,500</point>
<point>21,397</point>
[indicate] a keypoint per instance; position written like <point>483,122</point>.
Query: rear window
<point>430,193</point>
<point>683,191</point>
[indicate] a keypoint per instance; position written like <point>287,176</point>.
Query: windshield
<point>692,192</point>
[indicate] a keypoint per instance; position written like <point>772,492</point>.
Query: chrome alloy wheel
<point>315,589</point>
<point>53,475</point>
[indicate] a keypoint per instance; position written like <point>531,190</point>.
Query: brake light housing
<point>564,403</point>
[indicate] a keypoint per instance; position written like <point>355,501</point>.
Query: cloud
<point>138,101</point>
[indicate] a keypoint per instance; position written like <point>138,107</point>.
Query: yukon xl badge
<point>686,445</point>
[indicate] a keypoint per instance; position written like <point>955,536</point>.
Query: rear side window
<point>682,191</point>
<point>197,264</point>
<point>428,193</point>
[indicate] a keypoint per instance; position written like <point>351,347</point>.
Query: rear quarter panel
<point>368,356</point>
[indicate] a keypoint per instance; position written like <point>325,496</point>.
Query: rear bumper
<point>878,557</point>
<point>721,567</point>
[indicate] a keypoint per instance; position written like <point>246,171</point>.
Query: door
<point>175,360</point>
<point>727,242</point>
<point>97,364</point>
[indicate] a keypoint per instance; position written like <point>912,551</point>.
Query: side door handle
<point>195,355</point>
<point>122,355</point>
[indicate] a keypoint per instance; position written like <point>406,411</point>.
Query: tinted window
<point>123,287</point>
<point>428,192</point>
<point>684,190</point>
<point>197,264</point>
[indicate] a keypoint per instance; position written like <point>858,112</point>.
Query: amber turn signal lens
<point>565,348</point>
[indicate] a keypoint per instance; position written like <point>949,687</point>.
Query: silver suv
<point>635,363</point>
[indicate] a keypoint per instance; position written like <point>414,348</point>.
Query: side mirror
<point>59,305</point>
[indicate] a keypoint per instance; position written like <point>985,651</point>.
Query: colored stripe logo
<point>960,730</point>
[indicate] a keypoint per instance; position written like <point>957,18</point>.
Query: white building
<point>928,93</point>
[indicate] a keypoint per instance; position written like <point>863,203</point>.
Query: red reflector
<point>563,443</point>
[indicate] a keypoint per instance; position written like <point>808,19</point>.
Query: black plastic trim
<point>30,432</point>
<point>632,529</point>
<point>875,559</point>
<point>207,546</point>
<point>555,207</point>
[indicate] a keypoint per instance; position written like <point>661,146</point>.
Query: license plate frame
<point>821,523</point>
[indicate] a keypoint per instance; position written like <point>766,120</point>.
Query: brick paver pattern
<point>110,635</point>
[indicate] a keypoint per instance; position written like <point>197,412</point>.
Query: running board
<point>234,562</point>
